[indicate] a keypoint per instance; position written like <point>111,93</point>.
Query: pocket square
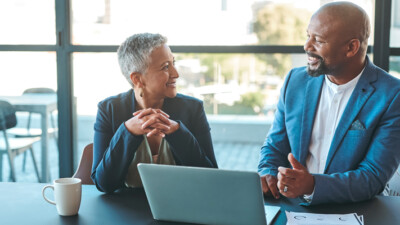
<point>357,125</point>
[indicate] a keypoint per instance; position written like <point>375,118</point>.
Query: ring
<point>285,189</point>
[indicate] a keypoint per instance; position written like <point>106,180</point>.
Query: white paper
<point>296,218</point>
<point>271,212</point>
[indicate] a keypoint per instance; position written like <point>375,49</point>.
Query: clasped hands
<point>152,122</point>
<point>291,183</point>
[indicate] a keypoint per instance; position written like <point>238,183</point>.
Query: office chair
<point>394,184</point>
<point>10,146</point>
<point>85,165</point>
<point>35,132</point>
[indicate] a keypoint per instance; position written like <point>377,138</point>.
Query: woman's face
<point>159,81</point>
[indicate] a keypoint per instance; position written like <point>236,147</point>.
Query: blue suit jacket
<point>115,146</point>
<point>365,150</point>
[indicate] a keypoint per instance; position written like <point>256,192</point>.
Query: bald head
<point>350,19</point>
<point>337,41</point>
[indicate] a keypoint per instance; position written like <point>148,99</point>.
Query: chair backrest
<point>39,90</point>
<point>8,119</point>
<point>394,184</point>
<point>85,165</point>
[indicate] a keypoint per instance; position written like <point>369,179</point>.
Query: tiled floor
<point>237,156</point>
<point>231,156</point>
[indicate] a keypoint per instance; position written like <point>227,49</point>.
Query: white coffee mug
<point>67,194</point>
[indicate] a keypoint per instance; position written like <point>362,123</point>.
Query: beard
<point>320,70</point>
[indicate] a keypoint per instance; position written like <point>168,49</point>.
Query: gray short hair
<point>134,52</point>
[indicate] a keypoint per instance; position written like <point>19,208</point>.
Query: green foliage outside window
<point>281,24</point>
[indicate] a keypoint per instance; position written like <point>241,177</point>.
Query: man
<point>336,133</point>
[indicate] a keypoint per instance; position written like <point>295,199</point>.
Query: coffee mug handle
<point>44,196</point>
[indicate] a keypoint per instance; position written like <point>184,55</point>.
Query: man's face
<point>325,45</point>
<point>316,65</point>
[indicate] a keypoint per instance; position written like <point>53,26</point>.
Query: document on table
<point>296,218</point>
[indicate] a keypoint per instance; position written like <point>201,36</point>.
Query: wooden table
<point>23,204</point>
<point>44,104</point>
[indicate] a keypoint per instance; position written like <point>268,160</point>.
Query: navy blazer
<point>365,150</point>
<point>115,146</point>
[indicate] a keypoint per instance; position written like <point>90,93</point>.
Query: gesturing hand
<point>295,182</point>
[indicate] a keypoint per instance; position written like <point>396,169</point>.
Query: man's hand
<point>295,182</point>
<point>268,183</point>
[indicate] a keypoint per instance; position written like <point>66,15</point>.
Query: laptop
<point>205,195</point>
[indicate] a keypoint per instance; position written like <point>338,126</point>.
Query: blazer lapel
<point>359,97</point>
<point>310,104</point>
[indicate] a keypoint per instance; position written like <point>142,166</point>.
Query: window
<point>206,22</point>
<point>23,70</point>
<point>244,48</point>
<point>235,79</point>
<point>20,71</point>
<point>190,32</point>
<point>27,22</point>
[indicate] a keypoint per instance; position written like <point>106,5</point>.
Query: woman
<point>150,123</point>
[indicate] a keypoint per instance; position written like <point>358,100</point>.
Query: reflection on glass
<point>206,22</point>
<point>27,22</point>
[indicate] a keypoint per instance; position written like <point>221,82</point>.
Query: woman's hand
<point>173,127</point>
<point>151,122</point>
<point>159,126</point>
<point>148,121</point>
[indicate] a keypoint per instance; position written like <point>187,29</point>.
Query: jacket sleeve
<point>276,145</point>
<point>113,152</point>
<point>193,148</point>
<point>378,166</point>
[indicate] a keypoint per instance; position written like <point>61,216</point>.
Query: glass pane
<point>206,22</point>
<point>395,26</point>
<point>240,92</point>
<point>394,66</point>
<point>20,71</point>
<point>96,77</point>
<point>236,84</point>
<point>221,80</point>
<point>99,73</point>
<point>27,22</point>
